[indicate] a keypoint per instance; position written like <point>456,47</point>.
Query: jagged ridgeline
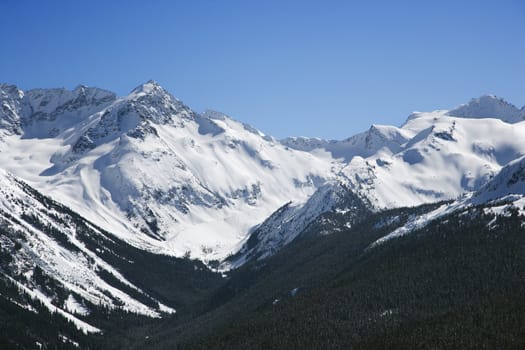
<point>149,169</point>
<point>63,280</point>
<point>135,222</point>
<point>162,177</point>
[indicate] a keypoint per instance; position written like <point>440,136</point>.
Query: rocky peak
<point>10,99</point>
<point>8,91</point>
<point>488,106</point>
<point>152,102</point>
<point>149,87</point>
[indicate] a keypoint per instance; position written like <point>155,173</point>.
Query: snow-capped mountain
<point>55,258</point>
<point>150,170</point>
<point>46,113</point>
<point>504,194</point>
<point>489,106</point>
<point>100,194</point>
<point>432,157</point>
<point>443,158</point>
<point>292,220</point>
<point>169,180</point>
<point>364,144</point>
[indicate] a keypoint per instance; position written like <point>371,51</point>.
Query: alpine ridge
<point>149,169</point>
<point>169,180</point>
<point>138,209</point>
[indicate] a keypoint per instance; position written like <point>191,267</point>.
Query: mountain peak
<point>80,87</point>
<point>10,91</point>
<point>148,88</point>
<point>488,106</point>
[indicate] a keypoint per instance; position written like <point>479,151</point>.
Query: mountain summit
<point>114,210</point>
<point>489,106</point>
<point>149,169</point>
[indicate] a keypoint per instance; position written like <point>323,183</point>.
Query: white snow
<point>156,174</point>
<point>442,159</point>
<point>489,106</point>
<point>163,178</point>
<point>203,182</point>
<point>73,306</point>
<point>36,294</point>
<point>500,194</point>
<point>75,270</point>
<point>287,223</point>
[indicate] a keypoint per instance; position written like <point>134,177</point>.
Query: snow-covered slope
<point>292,220</point>
<point>52,258</point>
<point>46,113</point>
<point>149,169</point>
<point>504,194</point>
<point>489,106</point>
<point>433,157</point>
<point>509,184</point>
<point>166,179</point>
<point>445,157</point>
<point>365,144</point>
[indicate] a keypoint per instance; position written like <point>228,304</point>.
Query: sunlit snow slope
<point>164,178</point>
<point>149,169</point>
<point>432,157</point>
<point>54,257</point>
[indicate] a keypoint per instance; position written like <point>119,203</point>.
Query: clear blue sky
<point>312,68</point>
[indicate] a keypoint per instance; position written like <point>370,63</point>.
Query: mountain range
<point>139,207</point>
